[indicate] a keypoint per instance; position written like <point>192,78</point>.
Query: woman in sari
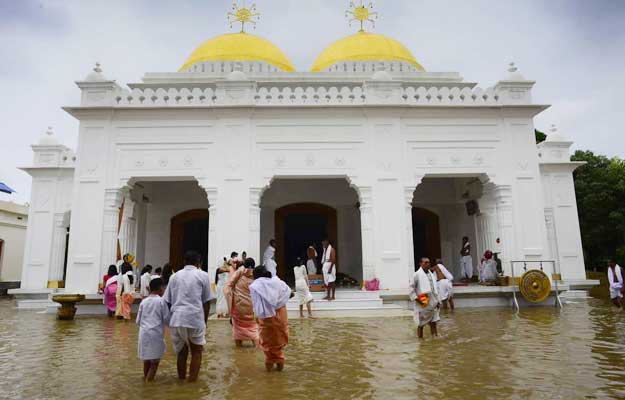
<point>110,290</point>
<point>269,298</point>
<point>239,300</point>
<point>125,294</point>
<point>221,279</point>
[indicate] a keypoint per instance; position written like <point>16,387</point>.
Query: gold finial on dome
<point>361,14</point>
<point>244,15</point>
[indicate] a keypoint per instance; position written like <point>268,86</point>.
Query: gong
<point>535,286</point>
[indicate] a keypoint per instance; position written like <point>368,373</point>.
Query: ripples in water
<point>540,353</point>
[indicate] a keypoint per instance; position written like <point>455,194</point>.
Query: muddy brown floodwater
<point>541,353</point>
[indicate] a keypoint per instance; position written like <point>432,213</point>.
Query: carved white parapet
<point>236,89</point>
<point>49,153</point>
<point>97,91</point>
<point>381,89</point>
<point>515,89</point>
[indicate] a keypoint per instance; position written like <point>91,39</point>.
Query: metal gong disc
<point>535,286</point>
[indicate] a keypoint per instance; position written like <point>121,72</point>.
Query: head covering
<point>269,295</point>
<point>488,254</point>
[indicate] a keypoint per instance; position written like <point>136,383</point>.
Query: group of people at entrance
<point>487,268</point>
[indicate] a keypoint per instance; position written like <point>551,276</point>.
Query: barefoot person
<point>445,285</point>
<point>466,261</point>
<point>615,280</point>
<point>302,288</point>
<point>328,262</point>
<point>221,280</point>
<point>110,290</point>
<point>125,294</point>
<point>152,317</point>
<point>269,298</point>
<point>239,301</point>
<point>424,293</point>
<point>188,295</point>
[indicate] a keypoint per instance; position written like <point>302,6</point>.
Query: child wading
<point>269,298</point>
<point>152,317</point>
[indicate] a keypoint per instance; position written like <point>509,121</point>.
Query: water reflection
<point>540,353</point>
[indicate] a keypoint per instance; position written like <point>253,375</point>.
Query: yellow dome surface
<point>364,46</point>
<point>239,47</point>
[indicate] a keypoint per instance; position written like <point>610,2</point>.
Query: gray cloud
<point>574,49</point>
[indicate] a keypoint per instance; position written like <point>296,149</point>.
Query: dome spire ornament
<point>243,15</point>
<point>361,13</point>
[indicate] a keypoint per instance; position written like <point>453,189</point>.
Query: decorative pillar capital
<point>211,196</point>
<point>113,198</point>
<point>408,195</point>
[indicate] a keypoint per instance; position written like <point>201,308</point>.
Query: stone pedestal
<point>67,311</point>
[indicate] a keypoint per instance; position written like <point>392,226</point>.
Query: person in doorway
<point>146,275</point>
<point>221,279</point>
<point>328,262</point>
<point>615,282</point>
<point>302,288</point>
<point>466,261</point>
<point>269,298</point>
<point>152,317</point>
<point>188,295</point>
<point>424,293</point>
<point>110,291</point>
<point>125,294</point>
<point>488,269</point>
<point>157,273</point>
<point>167,273</point>
<point>239,302</point>
<point>311,262</point>
<point>269,258</point>
<point>445,284</point>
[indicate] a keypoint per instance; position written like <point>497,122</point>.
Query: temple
<point>390,161</point>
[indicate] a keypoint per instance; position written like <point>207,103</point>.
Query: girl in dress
<point>221,279</point>
<point>302,288</point>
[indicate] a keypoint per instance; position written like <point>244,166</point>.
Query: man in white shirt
<point>615,281</point>
<point>328,267</point>
<point>269,258</point>
<point>188,295</point>
<point>424,293</point>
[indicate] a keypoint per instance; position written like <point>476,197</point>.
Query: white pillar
<point>58,248</point>
<point>505,225</point>
<point>213,256</point>
<point>366,226</point>
<point>110,228</point>
<point>408,198</point>
<point>254,245</point>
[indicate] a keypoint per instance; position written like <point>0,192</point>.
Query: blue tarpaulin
<point>4,188</point>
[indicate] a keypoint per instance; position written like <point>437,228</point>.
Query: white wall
<point>335,193</point>
<point>13,221</point>
<point>166,200</point>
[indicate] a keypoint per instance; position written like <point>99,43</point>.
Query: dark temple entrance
<point>297,226</point>
<point>426,236</point>
<point>189,231</point>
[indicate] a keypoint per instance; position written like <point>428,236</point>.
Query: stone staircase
<point>349,303</point>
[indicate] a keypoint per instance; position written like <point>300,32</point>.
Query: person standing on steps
<point>328,262</point>
<point>269,258</point>
<point>466,261</point>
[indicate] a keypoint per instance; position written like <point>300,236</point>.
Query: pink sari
<point>109,297</point>
<point>237,292</point>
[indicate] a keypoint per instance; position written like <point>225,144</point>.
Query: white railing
<point>302,96</point>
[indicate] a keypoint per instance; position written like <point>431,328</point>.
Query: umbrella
<point>4,188</point>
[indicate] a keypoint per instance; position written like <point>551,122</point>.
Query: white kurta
<point>152,317</point>
<point>145,284</point>
<point>311,267</point>
<point>187,292</point>
<point>488,270</point>
<point>302,291</point>
<point>328,276</point>
<point>424,283</point>
<point>269,262</point>
<point>616,282</point>
<point>222,304</point>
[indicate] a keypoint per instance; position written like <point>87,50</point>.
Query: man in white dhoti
<point>269,260</point>
<point>424,293</point>
<point>445,284</point>
<point>466,261</point>
<point>328,262</point>
<point>615,280</point>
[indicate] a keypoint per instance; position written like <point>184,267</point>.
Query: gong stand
<point>535,278</point>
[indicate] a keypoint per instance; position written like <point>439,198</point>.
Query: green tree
<point>600,191</point>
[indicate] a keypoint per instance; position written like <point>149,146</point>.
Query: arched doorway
<point>189,231</point>
<point>296,227</point>
<point>426,235</point>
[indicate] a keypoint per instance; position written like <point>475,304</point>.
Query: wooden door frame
<point>302,208</point>
<point>433,231</point>
<point>176,235</point>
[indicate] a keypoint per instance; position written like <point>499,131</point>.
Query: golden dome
<point>239,47</point>
<point>364,46</point>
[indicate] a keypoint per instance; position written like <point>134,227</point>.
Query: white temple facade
<point>237,148</point>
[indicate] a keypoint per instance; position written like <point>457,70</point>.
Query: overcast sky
<point>574,49</point>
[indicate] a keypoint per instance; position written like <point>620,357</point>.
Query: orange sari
<point>237,292</point>
<point>126,304</point>
<point>274,336</point>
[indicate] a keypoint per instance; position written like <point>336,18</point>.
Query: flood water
<point>541,353</point>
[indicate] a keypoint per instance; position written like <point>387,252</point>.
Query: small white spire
<point>49,131</point>
<point>513,73</point>
<point>96,74</point>
<point>48,138</point>
<point>555,135</point>
<point>97,68</point>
